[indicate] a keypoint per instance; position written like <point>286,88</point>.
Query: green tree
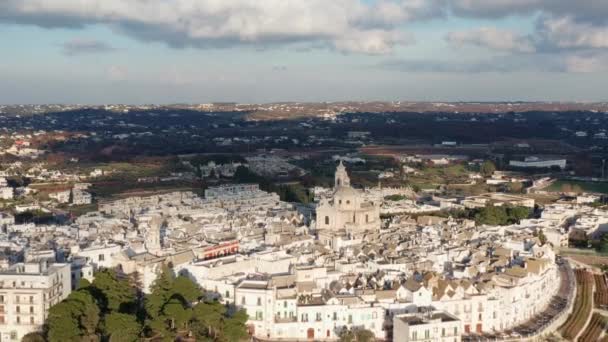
<point>120,327</point>
<point>517,214</point>
<point>186,288</point>
<point>491,215</point>
<point>75,318</point>
<point>210,316</point>
<point>177,313</point>
<point>346,335</point>
<point>603,245</point>
<point>487,168</point>
<point>161,292</point>
<point>33,337</point>
<point>62,325</point>
<point>83,283</point>
<point>87,312</point>
<point>364,335</point>
<point>117,294</point>
<point>542,237</point>
<point>234,328</point>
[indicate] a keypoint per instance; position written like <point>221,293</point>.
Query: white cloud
<point>492,38</point>
<point>219,23</point>
<point>564,32</point>
<point>587,64</point>
<point>117,73</point>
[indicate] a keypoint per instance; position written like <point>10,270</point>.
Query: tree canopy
<point>487,168</point>
<point>111,309</point>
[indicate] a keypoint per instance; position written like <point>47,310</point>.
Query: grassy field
<point>431,177</point>
<point>565,185</point>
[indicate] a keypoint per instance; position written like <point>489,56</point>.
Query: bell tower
<point>341,178</point>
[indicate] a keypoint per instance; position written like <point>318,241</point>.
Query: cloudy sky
<point>167,51</point>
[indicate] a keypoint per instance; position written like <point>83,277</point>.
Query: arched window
<point>326,220</point>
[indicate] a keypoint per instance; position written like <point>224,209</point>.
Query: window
<point>1,299</point>
<point>414,335</point>
<point>243,302</point>
<point>347,202</point>
<point>31,320</point>
<point>18,309</point>
<point>350,319</point>
<point>102,257</point>
<point>285,304</point>
<point>366,218</point>
<point>227,294</point>
<point>31,309</point>
<point>335,316</point>
<point>259,301</point>
<point>319,317</point>
<point>31,299</point>
<point>442,331</point>
<point>18,320</point>
<point>2,320</point>
<point>427,334</point>
<point>327,220</point>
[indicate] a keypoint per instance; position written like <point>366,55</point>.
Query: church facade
<point>346,213</point>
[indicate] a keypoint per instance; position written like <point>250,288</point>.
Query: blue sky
<point>167,51</point>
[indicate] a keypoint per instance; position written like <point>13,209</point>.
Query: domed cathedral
<point>346,213</point>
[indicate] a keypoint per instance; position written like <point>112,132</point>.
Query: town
<point>342,235</point>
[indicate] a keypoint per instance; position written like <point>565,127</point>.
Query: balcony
<point>285,319</point>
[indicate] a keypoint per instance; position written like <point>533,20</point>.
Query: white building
<point>81,197</point>
<point>6,193</point>
<point>100,256</point>
<point>535,162</point>
<point>61,196</point>
<point>27,291</point>
<point>434,326</point>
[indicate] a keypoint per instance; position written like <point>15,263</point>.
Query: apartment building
<point>27,291</point>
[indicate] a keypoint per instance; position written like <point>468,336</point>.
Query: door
<point>467,329</point>
<point>479,329</point>
<point>310,334</point>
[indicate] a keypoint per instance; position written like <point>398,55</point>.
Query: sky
<point>255,51</point>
